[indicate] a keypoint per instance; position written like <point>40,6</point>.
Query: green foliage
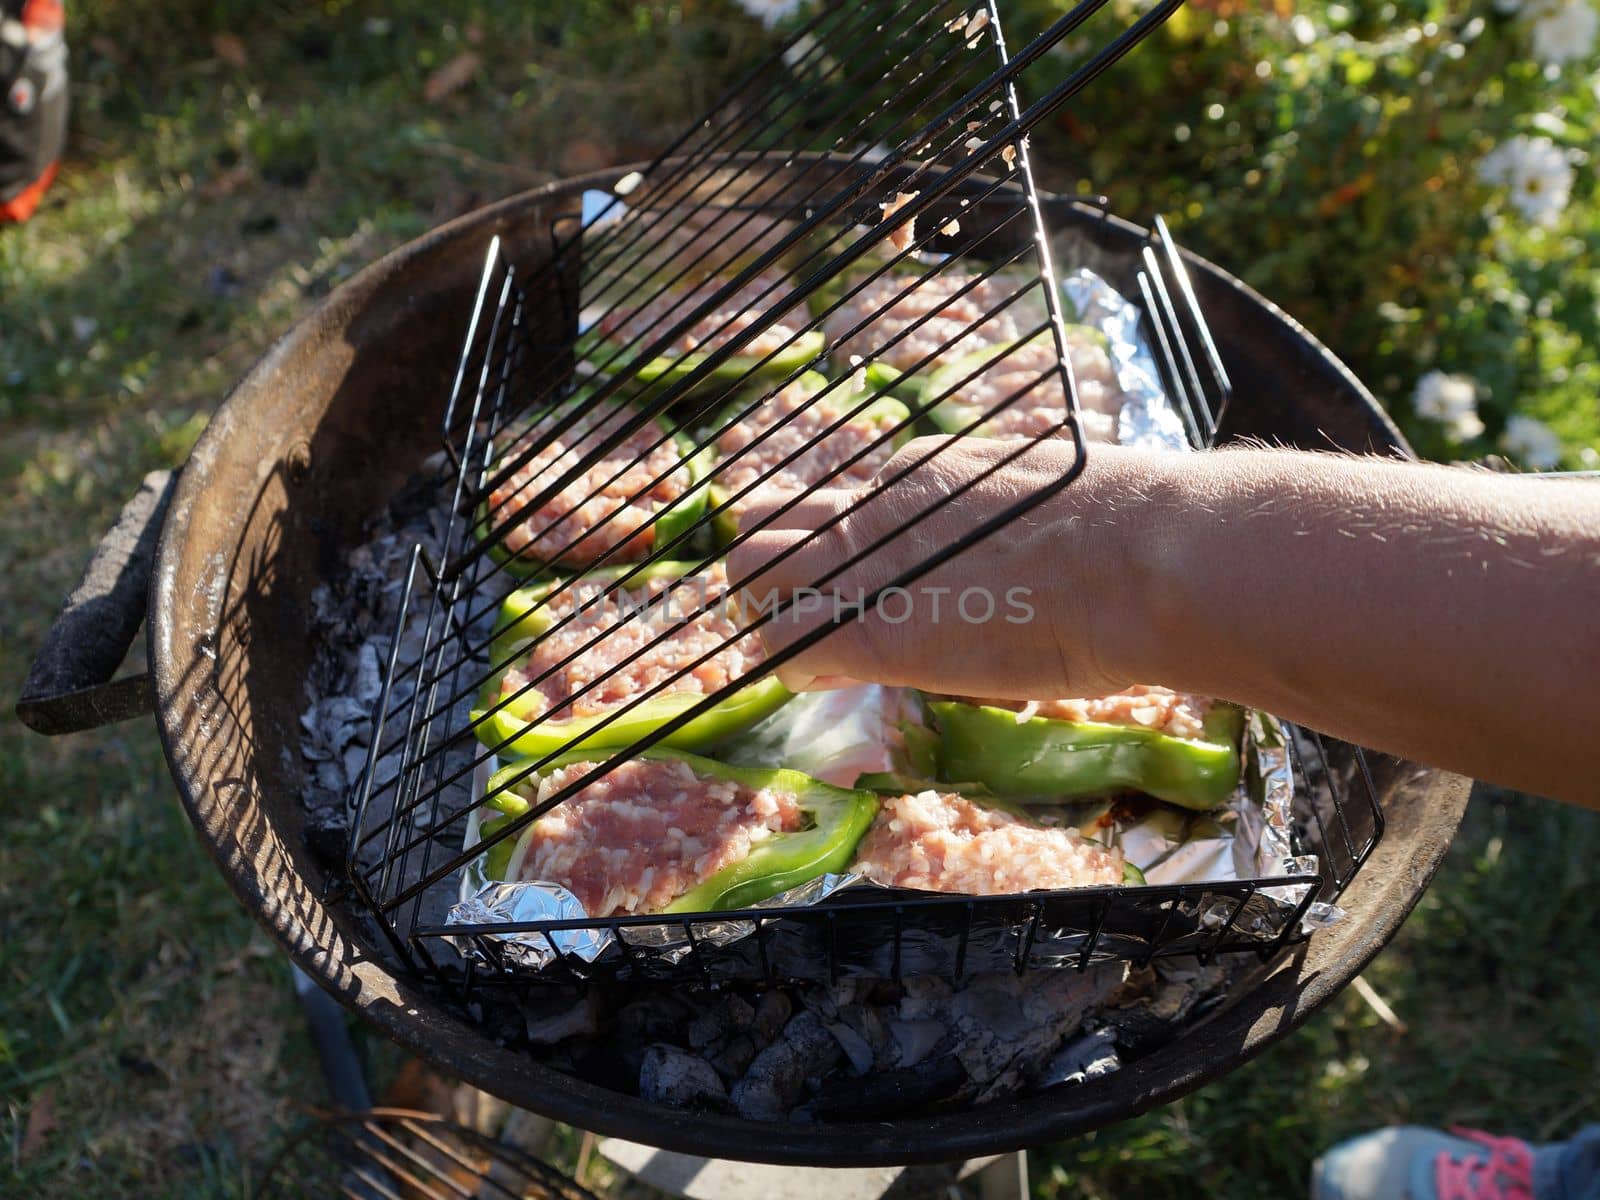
<point>1331,160</point>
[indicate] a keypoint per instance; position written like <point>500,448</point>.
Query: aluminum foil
<point>1148,417</point>
<point>861,730</point>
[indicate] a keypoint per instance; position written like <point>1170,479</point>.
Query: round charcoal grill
<point>320,435</point>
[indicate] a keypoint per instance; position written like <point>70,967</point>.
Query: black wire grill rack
<point>398,1154</point>
<point>684,349</point>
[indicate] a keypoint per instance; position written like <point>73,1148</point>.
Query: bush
<point>1334,154</point>
<point>1336,160</point>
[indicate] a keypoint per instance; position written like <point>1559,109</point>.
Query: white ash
<point>354,615</point>
<point>857,1049</point>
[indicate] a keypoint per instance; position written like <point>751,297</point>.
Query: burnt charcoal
<point>672,1076</point>
<point>732,1055</point>
<point>326,830</point>
<point>655,1017</point>
<point>867,1021</point>
<point>891,1093</point>
<point>1082,1058</point>
<point>776,1081</point>
<point>911,1041</point>
<point>855,1047</point>
<point>549,1025</point>
<point>772,1013</point>
<point>722,1015</point>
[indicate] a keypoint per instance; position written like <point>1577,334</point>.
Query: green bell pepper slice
<point>521,621</point>
<point>1052,759</point>
<point>837,819</point>
<point>884,411</point>
<point>657,374</point>
<point>671,520</point>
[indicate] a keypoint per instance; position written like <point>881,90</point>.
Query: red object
<point>1506,1173</point>
<point>45,16</point>
<point>20,207</point>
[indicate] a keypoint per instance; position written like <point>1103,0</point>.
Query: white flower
<point>770,12</point>
<point>1563,30</point>
<point>1531,441</point>
<point>1537,172</point>
<point>1452,400</point>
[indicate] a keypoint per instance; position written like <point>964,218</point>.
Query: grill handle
<point>70,686</point>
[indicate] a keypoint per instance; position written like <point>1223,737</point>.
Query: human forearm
<point>1442,614</point>
<point>1439,613</point>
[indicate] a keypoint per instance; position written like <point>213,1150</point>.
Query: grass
<point>149,1045</point>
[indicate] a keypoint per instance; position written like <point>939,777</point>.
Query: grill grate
<point>904,234</point>
<point>397,1154</point>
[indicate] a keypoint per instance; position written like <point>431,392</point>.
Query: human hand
<point>1033,610</point>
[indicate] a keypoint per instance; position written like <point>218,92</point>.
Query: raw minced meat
<point>692,612</point>
<point>1147,706</point>
<point>612,501</point>
<point>640,326</point>
<point>645,833</point>
<point>949,334</point>
<point>944,842</point>
<point>946,333</point>
<point>803,425</point>
<point>1029,369</point>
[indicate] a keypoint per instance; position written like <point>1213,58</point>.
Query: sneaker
<point>1408,1162</point>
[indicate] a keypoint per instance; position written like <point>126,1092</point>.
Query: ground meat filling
<point>639,327</point>
<point>942,842</point>
<point>947,334</point>
<point>797,426</point>
<point>694,614</point>
<point>1042,406</point>
<point>1177,714</point>
<point>612,501</point>
<point>646,832</point>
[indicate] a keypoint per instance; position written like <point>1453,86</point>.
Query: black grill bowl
<point>327,426</point>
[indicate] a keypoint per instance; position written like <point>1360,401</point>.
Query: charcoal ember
<point>890,1093</point>
<point>923,996</point>
<point>777,1079</point>
<point>725,1014</point>
<point>866,1021</point>
<point>732,1055</point>
<point>1004,1027</point>
<point>1171,993</point>
<point>672,1076</point>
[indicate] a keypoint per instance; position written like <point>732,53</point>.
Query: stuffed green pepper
<point>822,432</point>
<point>668,832</point>
<point>592,665</point>
<point>1178,748</point>
<point>625,329</point>
<point>645,491</point>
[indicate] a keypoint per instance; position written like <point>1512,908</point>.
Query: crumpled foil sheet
<point>1248,838</point>
<point>1148,418</point>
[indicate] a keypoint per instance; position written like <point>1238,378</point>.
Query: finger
<point>776,510</point>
